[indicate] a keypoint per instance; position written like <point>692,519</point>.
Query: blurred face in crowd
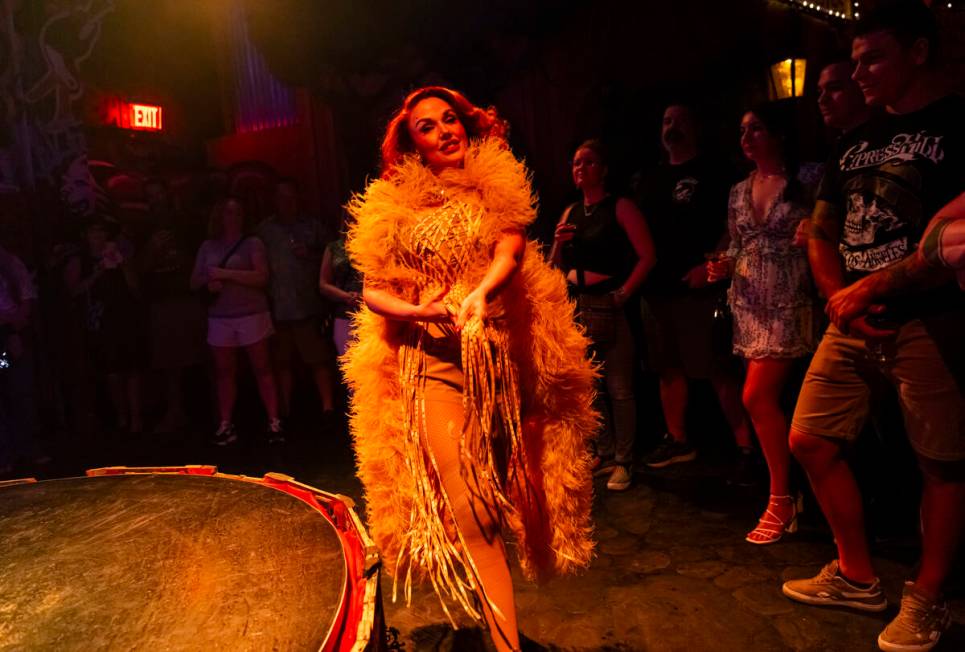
<point>588,169</point>
<point>286,200</point>
<point>884,68</point>
<point>679,128</point>
<point>157,198</point>
<point>757,143</point>
<point>437,133</point>
<point>839,97</point>
<point>232,218</point>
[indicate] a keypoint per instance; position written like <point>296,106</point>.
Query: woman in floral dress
<point>771,293</point>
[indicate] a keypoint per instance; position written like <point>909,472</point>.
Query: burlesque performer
<point>472,391</point>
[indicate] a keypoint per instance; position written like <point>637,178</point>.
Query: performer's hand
<point>474,305</point>
<point>433,308</point>
<point>849,303</point>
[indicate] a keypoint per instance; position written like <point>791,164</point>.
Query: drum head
<point>171,562</point>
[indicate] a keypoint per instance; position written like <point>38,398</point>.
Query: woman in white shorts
<point>233,269</point>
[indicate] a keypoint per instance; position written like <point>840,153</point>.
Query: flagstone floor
<point>672,570</point>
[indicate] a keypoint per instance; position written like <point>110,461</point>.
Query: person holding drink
<point>770,295</point>
<point>102,279</point>
<point>603,245</point>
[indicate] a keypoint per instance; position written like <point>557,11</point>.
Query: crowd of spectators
<point>797,235</point>
<point>694,249</point>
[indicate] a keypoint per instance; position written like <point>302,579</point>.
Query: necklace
<point>589,209</point>
<point>765,176</point>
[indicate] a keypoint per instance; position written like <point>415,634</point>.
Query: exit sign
<point>145,116</point>
<point>132,115</point>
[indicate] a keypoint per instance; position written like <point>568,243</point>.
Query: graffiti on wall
<point>42,47</point>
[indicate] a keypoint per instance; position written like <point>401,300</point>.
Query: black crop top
<point>600,243</point>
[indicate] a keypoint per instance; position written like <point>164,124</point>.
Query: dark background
<point>560,72</point>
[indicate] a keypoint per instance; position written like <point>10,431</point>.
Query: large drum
<point>184,558</point>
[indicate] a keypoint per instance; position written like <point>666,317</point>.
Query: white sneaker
<point>918,626</point>
<point>620,479</point>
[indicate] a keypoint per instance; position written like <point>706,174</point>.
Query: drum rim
<point>317,499</point>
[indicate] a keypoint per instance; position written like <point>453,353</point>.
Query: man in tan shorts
<point>881,186</point>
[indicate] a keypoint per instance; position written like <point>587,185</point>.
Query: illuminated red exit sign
<point>132,115</point>
<point>145,116</point>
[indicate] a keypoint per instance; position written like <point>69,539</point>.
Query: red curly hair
<point>477,121</point>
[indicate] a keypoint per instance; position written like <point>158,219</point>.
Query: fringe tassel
<point>492,459</point>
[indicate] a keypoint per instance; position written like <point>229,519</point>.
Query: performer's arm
<point>390,306</point>
<point>921,270</point>
<point>635,226</point>
<point>507,256</point>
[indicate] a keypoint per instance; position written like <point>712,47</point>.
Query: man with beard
<point>887,179</point>
<point>685,202</point>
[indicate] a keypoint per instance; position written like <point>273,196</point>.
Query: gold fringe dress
<point>523,377</point>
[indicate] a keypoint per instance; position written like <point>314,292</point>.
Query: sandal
<point>771,528</point>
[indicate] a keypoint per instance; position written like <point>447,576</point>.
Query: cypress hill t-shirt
<point>888,178</point>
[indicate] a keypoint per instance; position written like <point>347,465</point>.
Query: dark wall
<point>560,73</point>
<point>162,51</point>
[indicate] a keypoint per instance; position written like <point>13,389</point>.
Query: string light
<point>822,9</point>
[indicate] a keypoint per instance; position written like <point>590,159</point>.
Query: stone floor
<point>673,573</point>
<point>672,570</point>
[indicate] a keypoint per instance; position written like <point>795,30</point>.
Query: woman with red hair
<point>472,393</point>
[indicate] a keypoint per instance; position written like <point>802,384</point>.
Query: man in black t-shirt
<point>941,246</point>
<point>882,184</point>
<point>685,203</point>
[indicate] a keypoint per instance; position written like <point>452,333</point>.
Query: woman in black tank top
<point>603,246</point>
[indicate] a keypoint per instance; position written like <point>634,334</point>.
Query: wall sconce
<point>787,79</point>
